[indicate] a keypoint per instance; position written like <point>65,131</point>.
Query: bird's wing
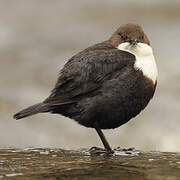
<point>85,72</point>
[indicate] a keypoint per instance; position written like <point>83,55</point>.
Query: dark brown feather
<point>100,85</point>
<point>85,72</point>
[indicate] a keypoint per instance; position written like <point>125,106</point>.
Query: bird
<point>105,85</point>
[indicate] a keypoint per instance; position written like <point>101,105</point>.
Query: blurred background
<point>38,37</point>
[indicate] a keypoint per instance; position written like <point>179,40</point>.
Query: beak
<point>133,41</point>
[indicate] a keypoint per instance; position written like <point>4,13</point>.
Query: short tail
<point>37,108</point>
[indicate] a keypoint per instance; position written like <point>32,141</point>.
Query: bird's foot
<point>124,149</point>
<point>99,151</point>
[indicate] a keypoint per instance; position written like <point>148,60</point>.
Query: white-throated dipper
<point>105,85</point>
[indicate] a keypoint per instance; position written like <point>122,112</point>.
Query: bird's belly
<point>116,104</point>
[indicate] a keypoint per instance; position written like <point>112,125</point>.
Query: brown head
<point>131,38</point>
<point>131,33</point>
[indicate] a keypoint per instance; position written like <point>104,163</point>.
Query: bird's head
<point>129,33</point>
<point>131,37</point>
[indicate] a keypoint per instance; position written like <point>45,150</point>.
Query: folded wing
<point>85,73</point>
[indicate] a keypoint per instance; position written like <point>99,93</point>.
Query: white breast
<point>144,58</point>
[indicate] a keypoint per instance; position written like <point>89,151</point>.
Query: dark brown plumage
<point>99,87</point>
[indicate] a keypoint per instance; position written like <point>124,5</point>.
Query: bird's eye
<point>122,36</point>
<point>125,37</point>
<point>141,37</point>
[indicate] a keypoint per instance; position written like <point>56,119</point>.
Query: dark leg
<point>104,141</point>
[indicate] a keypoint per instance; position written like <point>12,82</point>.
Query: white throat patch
<point>144,58</point>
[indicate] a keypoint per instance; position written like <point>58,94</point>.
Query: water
<point>38,37</point>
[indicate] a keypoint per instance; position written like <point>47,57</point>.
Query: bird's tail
<point>37,108</point>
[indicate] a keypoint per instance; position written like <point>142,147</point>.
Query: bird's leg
<point>104,141</point>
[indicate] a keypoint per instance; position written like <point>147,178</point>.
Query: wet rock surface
<point>38,37</point>
<point>42,163</point>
